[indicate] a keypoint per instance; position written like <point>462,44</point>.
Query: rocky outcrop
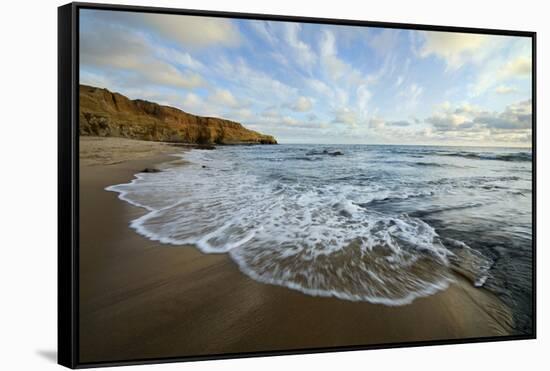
<point>107,114</point>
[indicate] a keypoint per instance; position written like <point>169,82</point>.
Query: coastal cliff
<point>107,114</point>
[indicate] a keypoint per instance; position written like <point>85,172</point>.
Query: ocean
<point>377,223</point>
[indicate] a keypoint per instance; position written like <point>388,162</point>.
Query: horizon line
<point>408,144</point>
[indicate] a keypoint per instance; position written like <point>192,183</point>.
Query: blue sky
<point>311,83</point>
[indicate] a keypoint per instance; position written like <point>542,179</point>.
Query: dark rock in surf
<point>324,152</point>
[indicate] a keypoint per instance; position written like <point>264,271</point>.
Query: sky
<point>313,83</point>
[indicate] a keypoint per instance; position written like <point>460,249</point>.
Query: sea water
<point>377,223</point>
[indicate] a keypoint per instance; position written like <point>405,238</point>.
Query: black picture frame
<point>68,180</point>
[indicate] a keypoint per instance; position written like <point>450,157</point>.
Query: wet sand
<point>142,299</point>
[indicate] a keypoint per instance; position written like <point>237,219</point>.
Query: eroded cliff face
<point>107,114</point>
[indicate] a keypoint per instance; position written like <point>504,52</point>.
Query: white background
<point>28,183</point>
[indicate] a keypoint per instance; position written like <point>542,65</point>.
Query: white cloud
<point>398,123</point>
<point>468,119</point>
<point>345,85</point>
<point>107,47</point>
<point>193,31</point>
<point>363,98</point>
<point>335,67</point>
<point>447,120</point>
<point>257,86</point>
<point>272,120</point>
<point>225,98</point>
<point>399,81</point>
<point>241,114</point>
<point>501,71</point>
<point>263,29</point>
<point>341,97</point>
<point>519,67</point>
<point>379,123</point>
<point>410,95</point>
<point>302,51</point>
<point>497,59</point>
<point>516,116</point>
<point>280,58</point>
<point>456,48</point>
<point>188,31</point>
<point>271,113</point>
<point>287,120</point>
<point>319,87</point>
<point>303,104</point>
<point>180,58</point>
<point>504,89</point>
<point>376,123</point>
<point>165,74</point>
<point>132,53</point>
<point>345,116</point>
<point>387,70</point>
<point>384,41</point>
<point>192,103</point>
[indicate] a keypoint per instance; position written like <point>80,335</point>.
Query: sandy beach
<point>141,299</point>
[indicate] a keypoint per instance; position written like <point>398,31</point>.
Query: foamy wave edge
<point>430,288</point>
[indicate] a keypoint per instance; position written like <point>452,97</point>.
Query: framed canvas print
<point>235,185</point>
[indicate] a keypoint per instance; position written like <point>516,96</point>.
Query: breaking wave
<point>518,156</point>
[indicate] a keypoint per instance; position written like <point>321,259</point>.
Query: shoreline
<point>143,299</point>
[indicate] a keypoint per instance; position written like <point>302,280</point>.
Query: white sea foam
<point>318,238</point>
